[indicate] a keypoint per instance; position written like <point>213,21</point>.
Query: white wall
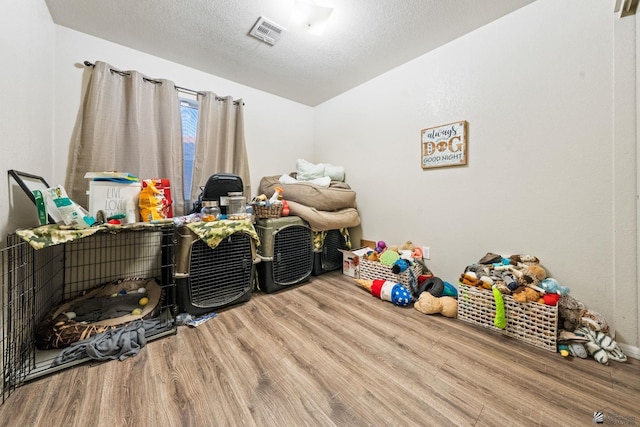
<point>26,105</point>
<point>277,130</point>
<point>536,88</point>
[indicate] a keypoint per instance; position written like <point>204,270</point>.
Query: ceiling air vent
<point>267,31</point>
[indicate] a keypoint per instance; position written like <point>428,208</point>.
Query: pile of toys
<point>582,332</point>
<point>398,274</point>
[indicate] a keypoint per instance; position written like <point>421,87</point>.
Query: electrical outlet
<point>426,252</point>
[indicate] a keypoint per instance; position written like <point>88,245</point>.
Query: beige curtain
<point>220,143</point>
<point>128,123</point>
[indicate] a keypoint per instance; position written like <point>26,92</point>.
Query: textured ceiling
<point>363,38</point>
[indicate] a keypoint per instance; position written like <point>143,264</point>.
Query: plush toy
<point>552,286</point>
<point>471,278</point>
<point>407,246</point>
<point>373,256</point>
<point>387,291</point>
<point>574,313</point>
<point>500,320</point>
<point>400,266</point>
<point>570,344</point>
<point>490,258</point>
<point>524,259</point>
<point>428,304</point>
<point>417,253</point>
<point>550,299</point>
<point>529,275</point>
<point>406,254</point>
<point>576,349</point>
<point>601,346</point>
<point>526,295</point>
<point>285,208</point>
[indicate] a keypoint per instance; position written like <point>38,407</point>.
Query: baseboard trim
<point>630,351</point>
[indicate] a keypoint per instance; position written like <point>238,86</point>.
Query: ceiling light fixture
<point>309,17</point>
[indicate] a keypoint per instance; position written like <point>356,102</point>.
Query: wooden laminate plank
<point>327,353</point>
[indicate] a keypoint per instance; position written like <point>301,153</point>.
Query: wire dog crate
<point>285,251</point>
<point>35,282</point>
<point>208,279</point>
<point>326,250</point>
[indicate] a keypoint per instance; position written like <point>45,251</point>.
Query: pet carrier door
<point>327,255</point>
<point>208,279</point>
<point>286,252</point>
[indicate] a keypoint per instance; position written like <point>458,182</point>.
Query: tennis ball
<point>136,311</point>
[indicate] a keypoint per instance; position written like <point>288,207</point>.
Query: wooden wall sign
<point>444,145</point>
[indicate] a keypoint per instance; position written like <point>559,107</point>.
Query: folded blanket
<point>335,197</point>
<point>324,220</point>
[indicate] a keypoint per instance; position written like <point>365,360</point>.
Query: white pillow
<point>307,171</point>
<point>336,173</point>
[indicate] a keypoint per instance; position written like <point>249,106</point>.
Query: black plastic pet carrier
<point>217,189</point>
<point>285,251</point>
<point>208,278</point>
<point>326,253</point>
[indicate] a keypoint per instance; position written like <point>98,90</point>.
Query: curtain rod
<point>178,88</point>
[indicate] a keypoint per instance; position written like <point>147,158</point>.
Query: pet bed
<point>100,309</point>
<point>324,208</point>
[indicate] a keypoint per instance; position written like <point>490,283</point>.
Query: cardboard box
<point>351,260</point>
<point>115,199</point>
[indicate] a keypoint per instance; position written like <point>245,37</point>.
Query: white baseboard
<point>630,351</point>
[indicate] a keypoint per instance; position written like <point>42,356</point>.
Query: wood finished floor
<point>327,353</point>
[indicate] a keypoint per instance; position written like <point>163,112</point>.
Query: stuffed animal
<point>428,304</point>
<point>470,278</point>
<point>373,256</point>
<point>601,346</point>
<point>524,259</point>
<point>407,246</point>
<point>387,291</point>
<point>552,286</point>
<point>526,295</point>
<point>574,313</point>
<point>570,344</point>
<point>529,275</point>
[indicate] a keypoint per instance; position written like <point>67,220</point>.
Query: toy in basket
<point>263,211</point>
<point>402,264</point>
<point>274,207</point>
<point>511,295</point>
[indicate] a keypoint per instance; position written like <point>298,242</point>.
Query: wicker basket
<point>532,323</point>
<point>372,270</point>
<point>272,211</point>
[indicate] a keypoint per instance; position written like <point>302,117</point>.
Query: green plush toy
<point>500,320</point>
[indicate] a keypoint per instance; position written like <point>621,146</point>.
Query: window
<point>189,113</point>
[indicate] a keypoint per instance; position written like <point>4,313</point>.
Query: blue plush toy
<point>552,286</point>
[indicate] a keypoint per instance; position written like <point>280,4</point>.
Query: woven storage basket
<point>532,323</point>
<point>273,211</point>
<point>372,270</point>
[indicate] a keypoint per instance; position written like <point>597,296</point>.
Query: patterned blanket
<point>210,232</point>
